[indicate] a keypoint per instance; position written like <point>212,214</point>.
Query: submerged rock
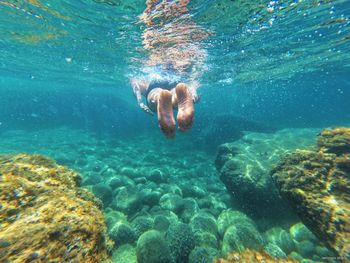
<point>203,255</point>
<point>44,216</point>
<point>181,241</point>
<point>244,167</point>
<point>152,248</point>
<point>317,185</point>
<point>240,237</point>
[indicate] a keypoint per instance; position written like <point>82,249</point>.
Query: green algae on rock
<point>317,185</point>
<point>44,216</point>
<point>244,166</point>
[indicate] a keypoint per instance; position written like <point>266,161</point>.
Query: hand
<point>145,108</point>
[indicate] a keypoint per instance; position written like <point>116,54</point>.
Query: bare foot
<point>185,112</point>
<point>165,114</point>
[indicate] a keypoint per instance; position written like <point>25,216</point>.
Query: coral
<point>250,256</point>
<point>152,248</point>
<point>317,185</point>
<point>44,216</point>
<point>181,241</point>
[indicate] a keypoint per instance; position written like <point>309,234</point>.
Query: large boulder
<point>44,216</point>
<point>152,248</point>
<point>317,185</point>
<point>181,240</point>
<point>244,167</point>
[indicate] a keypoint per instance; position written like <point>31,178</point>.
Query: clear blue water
<point>270,65</point>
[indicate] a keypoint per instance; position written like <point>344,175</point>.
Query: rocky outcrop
<point>44,216</point>
<point>317,185</point>
<point>244,167</point>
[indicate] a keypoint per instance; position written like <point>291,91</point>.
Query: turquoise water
<point>272,75</point>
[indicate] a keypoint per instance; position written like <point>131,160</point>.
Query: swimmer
<point>165,96</point>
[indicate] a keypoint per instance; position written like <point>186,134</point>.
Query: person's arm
<point>137,89</point>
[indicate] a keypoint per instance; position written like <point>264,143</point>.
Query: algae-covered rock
<point>44,216</point>
<point>241,237</point>
<point>230,217</point>
<point>202,255</point>
<point>250,256</point>
<point>181,241</point>
<point>122,233</point>
<point>281,238</point>
<point>317,185</point>
<point>152,248</point>
<point>141,224</point>
<point>125,254</point>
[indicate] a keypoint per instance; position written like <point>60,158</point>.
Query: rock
<point>172,202</point>
<point>296,256</point>
<point>250,256</point>
<point>300,232</point>
<point>323,252</point>
<point>91,178</point>
<point>129,172</point>
<point>152,248</point>
<point>156,176</point>
<point>274,251</point>
<point>161,223</point>
<point>44,215</point>
<point>193,191</point>
<point>119,181</point>
<point>125,254</point>
<point>126,200</point>
<point>104,192</point>
<point>281,238</point>
<point>122,233</point>
<point>305,248</point>
<point>202,255</point>
<point>240,237</point>
<point>204,223</point>
<point>171,189</point>
<point>205,239</point>
<point>229,217</point>
<point>335,141</point>
<point>181,241</point>
<point>141,224</point>
<point>112,217</point>
<point>204,203</point>
<point>244,167</point>
<point>149,197</point>
<point>317,185</point>
<point>140,180</point>
<point>189,210</point>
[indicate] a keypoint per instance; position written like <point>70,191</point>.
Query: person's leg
<point>161,101</point>
<point>185,112</point>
